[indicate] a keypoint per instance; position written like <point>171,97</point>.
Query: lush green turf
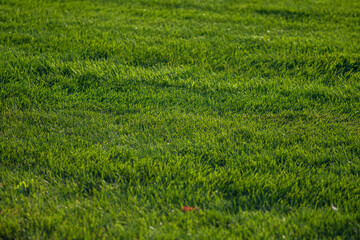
<point>115,114</point>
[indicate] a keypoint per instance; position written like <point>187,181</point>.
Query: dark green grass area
<point>115,114</point>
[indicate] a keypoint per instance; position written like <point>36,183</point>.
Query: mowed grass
<point>115,114</point>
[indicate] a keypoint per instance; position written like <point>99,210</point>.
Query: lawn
<point>115,114</point>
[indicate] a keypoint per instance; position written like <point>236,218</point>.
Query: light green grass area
<point>115,114</point>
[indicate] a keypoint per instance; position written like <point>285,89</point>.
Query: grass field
<point>116,114</point>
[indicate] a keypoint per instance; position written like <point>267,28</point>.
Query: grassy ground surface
<point>115,114</point>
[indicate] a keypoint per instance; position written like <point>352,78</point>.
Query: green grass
<point>115,114</point>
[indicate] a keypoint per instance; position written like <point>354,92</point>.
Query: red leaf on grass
<point>188,209</point>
